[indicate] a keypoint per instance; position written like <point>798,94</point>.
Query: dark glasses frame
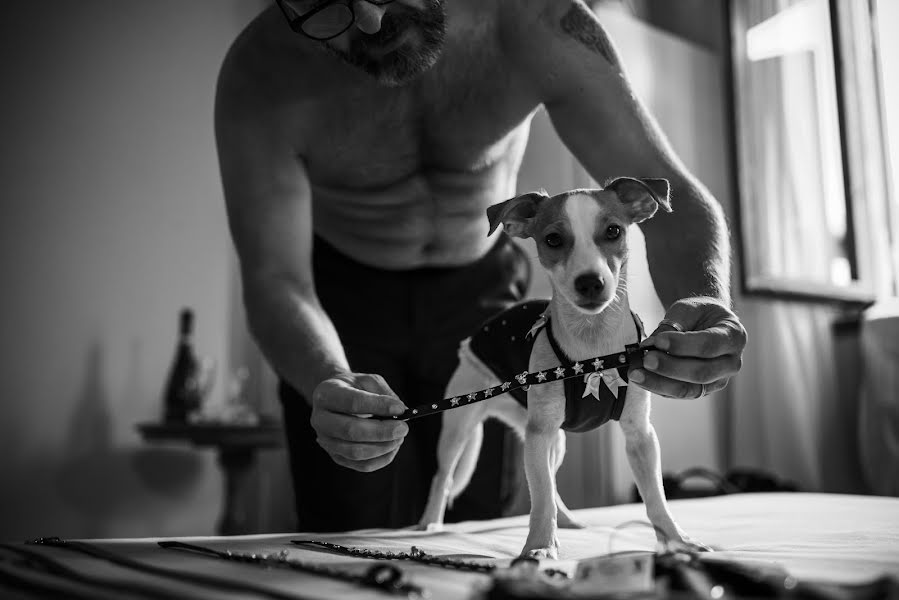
<point>296,20</point>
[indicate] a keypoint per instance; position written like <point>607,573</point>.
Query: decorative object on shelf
<point>236,410</point>
<point>190,377</point>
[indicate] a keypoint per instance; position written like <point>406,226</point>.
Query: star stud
<point>541,376</point>
<point>454,401</point>
<point>578,368</point>
<point>559,372</point>
<point>488,392</point>
<point>597,364</point>
<point>472,396</point>
<point>506,385</point>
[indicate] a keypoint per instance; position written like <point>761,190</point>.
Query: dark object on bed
<point>699,482</point>
<point>681,577</point>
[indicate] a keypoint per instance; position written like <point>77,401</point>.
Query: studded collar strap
<point>632,354</point>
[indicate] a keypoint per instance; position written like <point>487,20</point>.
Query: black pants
<point>405,326</point>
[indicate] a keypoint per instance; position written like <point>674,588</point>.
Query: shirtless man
<point>360,143</point>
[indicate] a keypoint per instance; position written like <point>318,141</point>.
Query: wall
<point>112,220</point>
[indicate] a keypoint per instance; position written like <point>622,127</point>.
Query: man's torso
<point>401,176</point>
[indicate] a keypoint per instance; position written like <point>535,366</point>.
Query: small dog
<point>581,239</point>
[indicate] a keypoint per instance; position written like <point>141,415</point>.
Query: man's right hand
<point>340,406</point>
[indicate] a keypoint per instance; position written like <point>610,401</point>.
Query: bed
<point>822,538</point>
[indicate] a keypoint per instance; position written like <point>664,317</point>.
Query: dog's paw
<point>541,548</point>
<point>428,526</point>
<point>541,553</point>
<point>681,542</point>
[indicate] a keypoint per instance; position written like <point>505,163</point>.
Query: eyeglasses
<point>326,19</point>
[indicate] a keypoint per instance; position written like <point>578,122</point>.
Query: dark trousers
<point>405,326</point>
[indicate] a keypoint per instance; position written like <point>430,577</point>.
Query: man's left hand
<point>700,346</point>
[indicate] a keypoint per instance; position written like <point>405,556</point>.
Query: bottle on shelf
<point>183,392</point>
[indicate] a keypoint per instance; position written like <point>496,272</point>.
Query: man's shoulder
<point>522,12</point>
<point>522,20</point>
<point>262,67</point>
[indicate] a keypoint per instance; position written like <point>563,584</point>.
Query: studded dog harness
<point>594,389</point>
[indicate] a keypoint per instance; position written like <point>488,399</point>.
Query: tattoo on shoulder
<point>580,24</point>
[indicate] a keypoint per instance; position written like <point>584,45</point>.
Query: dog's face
<point>581,235</point>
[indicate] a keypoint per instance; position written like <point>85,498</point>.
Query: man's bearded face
<point>408,43</point>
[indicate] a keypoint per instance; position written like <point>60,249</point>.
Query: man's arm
<point>268,199</point>
<point>562,49</point>
<point>578,75</point>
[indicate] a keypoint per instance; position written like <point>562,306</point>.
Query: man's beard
<point>412,57</point>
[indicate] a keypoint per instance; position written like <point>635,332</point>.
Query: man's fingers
<point>350,428</point>
<point>353,401</point>
<point>374,383</point>
<point>366,466</point>
<point>719,340</point>
<point>692,370</point>
<point>673,388</point>
<point>357,452</point>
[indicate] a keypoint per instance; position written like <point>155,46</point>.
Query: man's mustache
<point>391,25</point>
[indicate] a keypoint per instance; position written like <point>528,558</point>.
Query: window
<point>812,156</point>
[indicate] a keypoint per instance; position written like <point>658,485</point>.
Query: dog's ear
<point>516,214</point>
<point>642,196</point>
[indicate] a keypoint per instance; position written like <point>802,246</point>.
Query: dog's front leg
<point>545,415</point>
<point>644,457</point>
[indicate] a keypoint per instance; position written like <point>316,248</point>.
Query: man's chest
<point>464,115</point>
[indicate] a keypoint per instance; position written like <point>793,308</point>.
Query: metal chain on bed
<point>416,555</point>
<point>384,578</point>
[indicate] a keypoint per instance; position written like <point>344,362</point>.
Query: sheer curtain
<point>788,399</point>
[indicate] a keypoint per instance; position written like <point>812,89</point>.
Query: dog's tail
<point>467,463</point>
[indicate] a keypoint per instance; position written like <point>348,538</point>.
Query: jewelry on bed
<point>633,354</point>
<point>45,565</point>
<point>416,555</point>
<point>380,579</point>
<point>386,578</point>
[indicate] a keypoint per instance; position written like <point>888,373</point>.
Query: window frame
<point>863,155</point>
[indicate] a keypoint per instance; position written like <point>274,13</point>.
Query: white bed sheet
<point>823,537</point>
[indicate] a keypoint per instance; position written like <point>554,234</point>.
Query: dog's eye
<point>613,232</point>
<point>553,240</point>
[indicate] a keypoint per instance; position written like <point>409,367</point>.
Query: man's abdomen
<point>429,218</point>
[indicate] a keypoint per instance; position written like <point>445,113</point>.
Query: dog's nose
<point>589,285</point>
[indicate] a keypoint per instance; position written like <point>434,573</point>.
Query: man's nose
<point>368,16</point>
